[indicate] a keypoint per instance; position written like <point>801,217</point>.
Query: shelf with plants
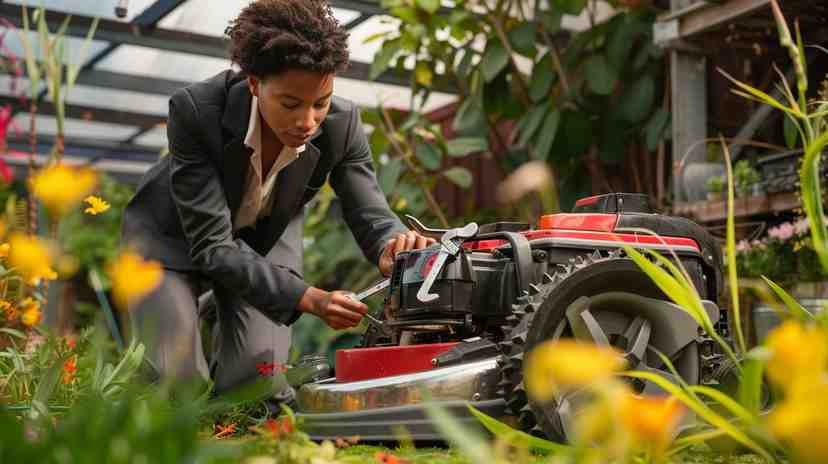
<point>751,198</point>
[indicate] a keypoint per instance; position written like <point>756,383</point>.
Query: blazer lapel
<point>236,156</point>
<point>290,186</point>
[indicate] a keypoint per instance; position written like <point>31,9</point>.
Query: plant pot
<point>694,179</point>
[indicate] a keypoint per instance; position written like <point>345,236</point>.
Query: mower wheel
<point>598,299</point>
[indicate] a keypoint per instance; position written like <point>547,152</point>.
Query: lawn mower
<point>459,316</point>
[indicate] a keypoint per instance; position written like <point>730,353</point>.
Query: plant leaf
<point>430,6</point>
<point>750,385</point>
<point>469,442</point>
<point>384,57</point>
<point>532,121</point>
<point>573,7</point>
<point>463,146</point>
<point>75,68</point>
<point>796,309</point>
<point>542,78</point>
<point>503,431</point>
<point>523,39</point>
<point>494,60</point>
<point>458,175</point>
<point>791,130</point>
<point>389,175</point>
<point>656,127</point>
<point>547,134</point>
<point>637,101</point>
<point>429,156</point>
<point>600,76</point>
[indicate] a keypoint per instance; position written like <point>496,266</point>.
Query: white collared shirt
<point>258,188</point>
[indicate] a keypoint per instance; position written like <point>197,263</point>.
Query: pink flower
<point>743,246</point>
<point>801,226</point>
<point>783,232</point>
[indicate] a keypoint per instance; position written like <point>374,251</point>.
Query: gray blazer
<point>182,213</point>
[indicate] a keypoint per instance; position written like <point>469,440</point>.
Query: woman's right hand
<point>336,308</point>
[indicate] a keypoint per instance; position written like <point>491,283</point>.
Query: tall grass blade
<point>469,442</point>
<point>794,308</point>
<point>501,430</point>
<point>811,193</point>
<point>703,411</point>
<point>759,95</point>
<point>32,66</point>
<point>733,278</point>
<point>750,385</point>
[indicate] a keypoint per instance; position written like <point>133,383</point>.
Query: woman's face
<point>293,103</point>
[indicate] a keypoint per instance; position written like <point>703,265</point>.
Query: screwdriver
<point>379,286</point>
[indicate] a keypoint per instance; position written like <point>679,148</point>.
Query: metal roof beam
<point>188,42</point>
<point>88,113</point>
<point>154,13</point>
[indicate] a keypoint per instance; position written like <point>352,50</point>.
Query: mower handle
<point>418,226</point>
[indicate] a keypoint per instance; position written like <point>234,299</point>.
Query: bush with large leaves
<point>585,102</point>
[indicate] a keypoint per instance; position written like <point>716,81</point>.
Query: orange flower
<point>9,310</point>
<point>69,369</point>
<point>31,314</point>
<point>224,432</point>
<point>279,427</point>
<point>388,458</point>
<point>4,250</point>
<point>650,420</point>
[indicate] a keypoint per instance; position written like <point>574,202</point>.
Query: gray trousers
<point>244,341</point>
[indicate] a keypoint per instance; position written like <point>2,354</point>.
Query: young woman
<point>223,211</point>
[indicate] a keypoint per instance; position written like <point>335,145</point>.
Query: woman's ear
<point>253,85</point>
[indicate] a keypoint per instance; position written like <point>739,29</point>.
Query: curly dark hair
<point>272,36</point>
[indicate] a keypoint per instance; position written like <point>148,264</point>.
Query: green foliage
<point>94,240</point>
<point>606,78</point>
<point>745,177</point>
<point>716,184</point>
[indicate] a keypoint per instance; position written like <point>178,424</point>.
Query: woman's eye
<point>290,107</point>
<point>321,105</point>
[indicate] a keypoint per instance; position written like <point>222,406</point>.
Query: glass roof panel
<point>156,137</point>
<point>47,125</point>
<point>99,8</point>
<point>371,94</point>
<point>144,61</point>
<point>192,16</point>
<point>72,45</point>
<point>361,51</point>
<point>98,97</point>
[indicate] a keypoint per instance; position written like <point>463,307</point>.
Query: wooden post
<point>688,81</point>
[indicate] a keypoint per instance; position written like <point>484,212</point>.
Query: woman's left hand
<point>403,242</point>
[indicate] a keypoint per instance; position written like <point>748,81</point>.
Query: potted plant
<point>746,180</point>
<point>715,188</point>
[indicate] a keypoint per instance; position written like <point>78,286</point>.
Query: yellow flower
<point>651,421</point>
<point>61,187</point>
<point>800,420</point>
<point>96,205</point>
<point>133,278</point>
<point>4,250</point>
<point>31,314</point>
<point>563,364</point>
<point>67,266</point>
<point>799,355</point>
<point>31,259</point>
